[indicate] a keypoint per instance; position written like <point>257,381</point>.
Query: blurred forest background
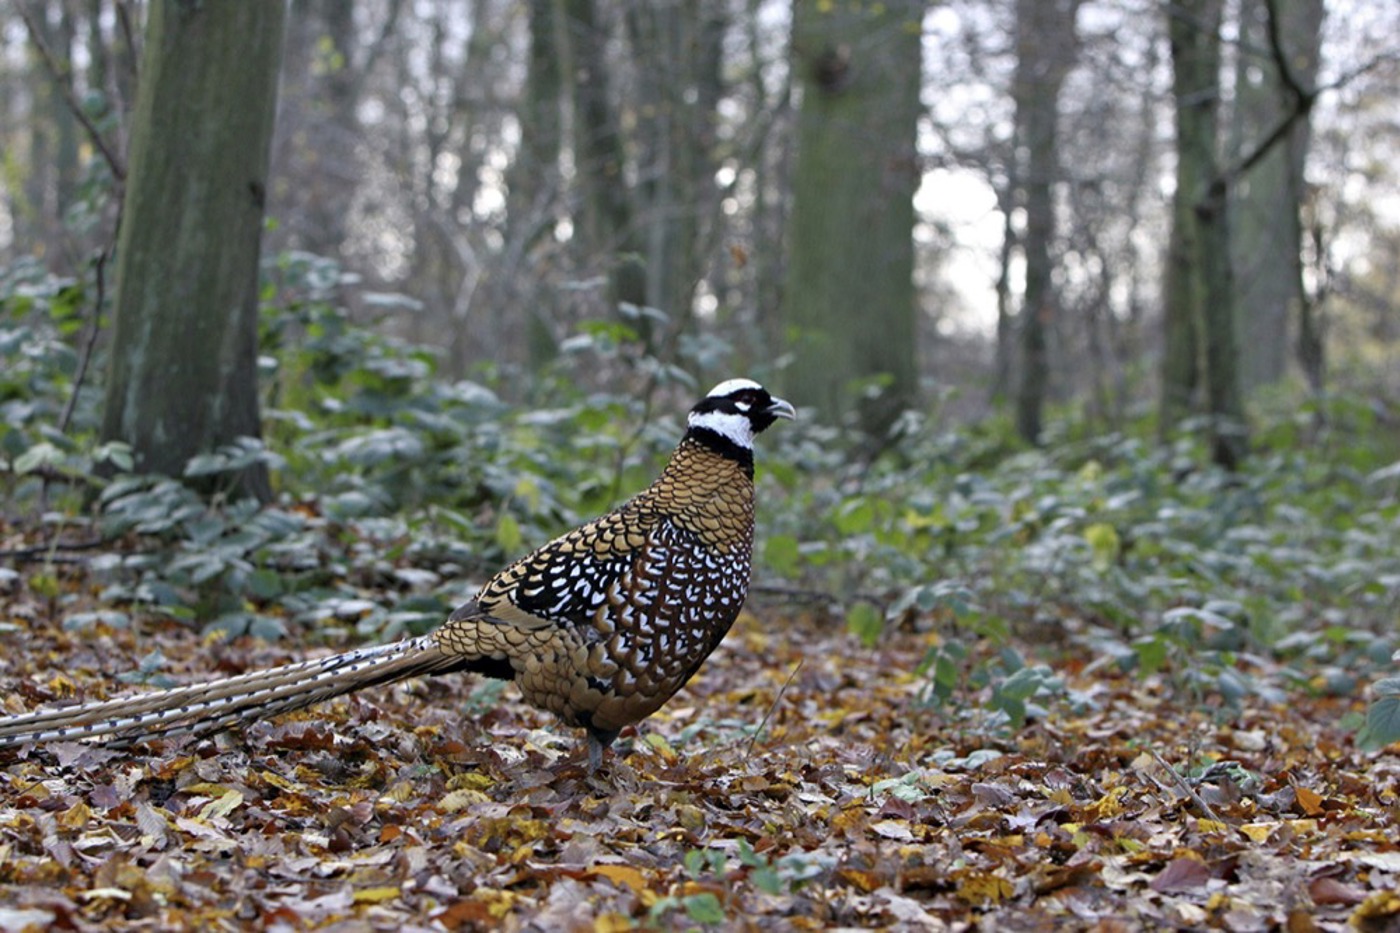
<point>1092,310</point>
<point>967,202</point>
<point>315,314</point>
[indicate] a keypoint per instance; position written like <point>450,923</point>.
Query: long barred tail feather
<point>219,704</point>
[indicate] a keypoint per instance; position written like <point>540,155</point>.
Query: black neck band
<point>722,445</point>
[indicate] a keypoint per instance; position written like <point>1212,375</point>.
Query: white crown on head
<point>730,386</point>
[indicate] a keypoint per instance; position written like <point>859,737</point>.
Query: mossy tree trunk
<point>184,355</point>
<point>849,305</point>
<point>1200,307</point>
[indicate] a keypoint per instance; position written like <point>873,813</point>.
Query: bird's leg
<point>597,741</point>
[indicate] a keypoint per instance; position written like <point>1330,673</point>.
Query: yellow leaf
<point>470,780</point>
<point>508,534</point>
<point>1259,832</point>
<point>461,799</point>
<point>848,819</point>
<point>866,881</point>
<point>498,903</point>
<point>528,488</point>
<point>221,807</point>
<point>612,922</point>
<point>62,685</point>
<point>1377,912</point>
<point>658,742</point>
<point>279,782</point>
<point>622,874</point>
<point>76,816</point>
<point>1309,800</point>
<point>400,793</point>
<point>982,887</point>
<point>1106,807</point>
<point>1103,543</point>
<point>1211,826</point>
<point>376,895</point>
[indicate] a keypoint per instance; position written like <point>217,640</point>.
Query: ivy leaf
<point>781,554</point>
<point>865,622</point>
<point>1382,724</point>
<point>704,908</point>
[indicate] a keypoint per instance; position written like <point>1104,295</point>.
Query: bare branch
<point>1280,56</point>
<point>94,326</point>
<point>60,78</point>
<point>1303,100</point>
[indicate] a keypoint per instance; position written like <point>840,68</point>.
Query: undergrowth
<point>400,491</point>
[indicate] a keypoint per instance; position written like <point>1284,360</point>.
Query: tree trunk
<point>533,182</point>
<point>316,155</point>
<point>1267,239</point>
<point>1312,345</point>
<point>849,305</point>
<point>1181,363</point>
<point>678,51</point>
<point>1200,290</point>
<point>604,221</point>
<point>1045,52</point>
<point>184,357</point>
<point>1003,361</point>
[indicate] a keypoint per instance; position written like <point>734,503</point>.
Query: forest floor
<point>802,781</point>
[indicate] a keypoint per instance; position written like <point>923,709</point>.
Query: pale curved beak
<point>781,409</point>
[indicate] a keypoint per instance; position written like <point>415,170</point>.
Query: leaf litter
<point>802,781</point>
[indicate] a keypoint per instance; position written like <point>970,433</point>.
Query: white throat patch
<point>737,429</point>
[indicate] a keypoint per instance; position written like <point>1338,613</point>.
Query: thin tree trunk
<point>1045,52</point>
<point>183,378</point>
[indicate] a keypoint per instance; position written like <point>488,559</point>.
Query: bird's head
<point>736,410</point>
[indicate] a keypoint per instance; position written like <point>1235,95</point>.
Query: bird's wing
<point>566,582</point>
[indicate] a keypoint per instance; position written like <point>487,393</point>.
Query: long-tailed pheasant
<point>600,626</point>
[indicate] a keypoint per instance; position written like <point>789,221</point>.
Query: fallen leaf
<point>377,895</point>
<point>1181,874</point>
<point>1331,891</point>
<point>981,888</point>
<point>622,874</point>
<point>893,829</point>
<point>1308,800</point>
<point>1379,912</point>
<point>220,807</point>
<point>1259,832</point>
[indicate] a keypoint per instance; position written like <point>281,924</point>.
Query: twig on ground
<point>1206,811</point>
<point>763,723</point>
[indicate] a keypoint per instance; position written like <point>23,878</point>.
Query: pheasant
<point>600,626</point>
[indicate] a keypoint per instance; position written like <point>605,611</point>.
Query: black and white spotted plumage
<point>600,626</point>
